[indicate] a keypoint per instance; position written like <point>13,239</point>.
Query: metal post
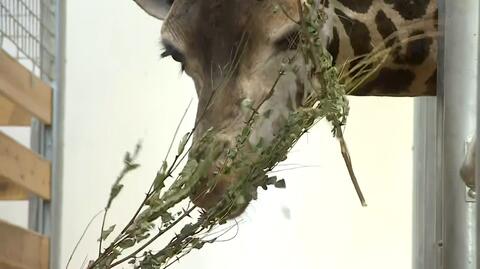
<point>459,78</point>
<point>427,189</point>
<point>444,214</point>
<point>45,217</point>
<point>57,135</point>
<point>477,153</point>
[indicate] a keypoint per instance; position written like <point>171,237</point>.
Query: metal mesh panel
<point>27,32</point>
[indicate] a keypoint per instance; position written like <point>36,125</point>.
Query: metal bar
<point>459,109</point>
<point>444,216</point>
<point>57,135</point>
<point>427,189</point>
<point>477,153</point>
<point>36,206</point>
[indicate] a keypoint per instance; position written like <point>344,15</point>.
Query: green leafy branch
<point>163,209</point>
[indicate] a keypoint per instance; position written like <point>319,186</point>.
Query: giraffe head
<point>234,49</point>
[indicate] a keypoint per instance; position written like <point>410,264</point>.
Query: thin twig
<point>123,173</point>
<point>160,233</point>
<point>101,231</point>
<point>151,191</point>
<point>81,237</point>
<point>348,163</point>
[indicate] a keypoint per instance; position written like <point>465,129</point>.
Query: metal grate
<point>27,32</point>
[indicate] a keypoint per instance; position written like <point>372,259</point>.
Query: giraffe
<point>234,48</point>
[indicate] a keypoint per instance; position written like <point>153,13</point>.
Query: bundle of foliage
<point>161,210</point>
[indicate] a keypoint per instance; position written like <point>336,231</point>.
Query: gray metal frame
<point>477,164</point>
<point>29,27</point>
<point>444,213</point>
<point>57,135</point>
<point>35,31</point>
<point>427,190</point>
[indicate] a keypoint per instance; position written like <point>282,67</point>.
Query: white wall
<point>118,91</point>
<point>16,212</point>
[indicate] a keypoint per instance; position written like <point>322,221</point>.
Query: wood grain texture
<point>9,191</point>
<point>22,249</point>
<point>24,89</point>
<point>24,168</point>
<point>12,114</point>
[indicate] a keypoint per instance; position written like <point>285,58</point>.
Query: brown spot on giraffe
<point>389,81</point>
<point>410,9</point>
<point>417,51</point>
<point>385,27</point>
<point>334,45</point>
<point>431,84</point>
<point>358,33</point>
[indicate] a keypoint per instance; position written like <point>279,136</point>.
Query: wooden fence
<point>23,173</point>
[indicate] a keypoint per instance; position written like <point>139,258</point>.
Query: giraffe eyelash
<point>176,55</point>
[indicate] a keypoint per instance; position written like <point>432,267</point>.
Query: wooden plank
<point>13,115</point>
<point>11,192</point>
<point>5,265</point>
<point>22,249</point>
<point>24,168</point>
<point>24,89</point>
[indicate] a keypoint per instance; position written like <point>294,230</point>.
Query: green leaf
<point>280,184</point>
<point>232,153</point>
<point>115,191</point>
<point>197,243</point>
<point>166,217</point>
<point>154,201</point>
<point>271,180</point>
<point>141,237</point>
<point>164,167</point>
<point>159,181</point>
<point>183,143</point>
<point>245,132</point>
<point>187,229</point>
<point>132,166</point>
<point>247,104</point>
<point>189,168</point>
<point>127,243</point>
<point>107,232</point>
<point>127,158</point>
<point>260,145</point>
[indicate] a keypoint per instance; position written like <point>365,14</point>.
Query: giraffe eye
<point>288,41</point>
<point>171,51</point>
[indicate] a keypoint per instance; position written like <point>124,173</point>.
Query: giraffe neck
<point>355,28</point>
